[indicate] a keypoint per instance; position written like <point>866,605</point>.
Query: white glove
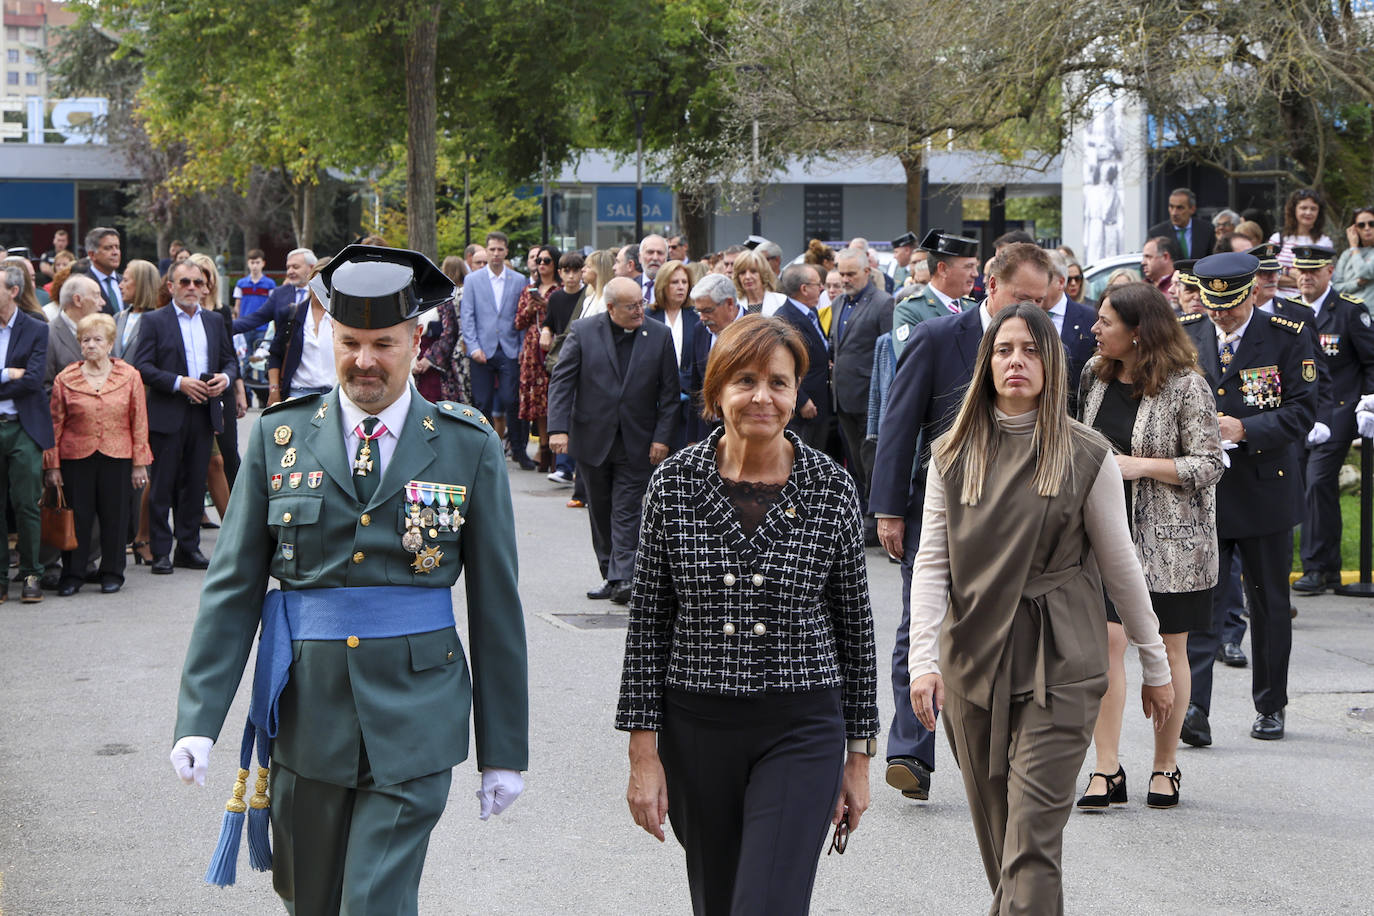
<point>191,758</point>
<point>1366,404</point>
<point>1319,434</point>
<point>500,789</point>
<point>1226,446</point>
<point>1364,416</point>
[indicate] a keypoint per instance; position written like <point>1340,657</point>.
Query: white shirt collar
<point>393,417</point>
<point>1061,308</point>
<point>947,300</point>
<point>495,277</point>
<point>1235,335</point>
<point>182,313</point>
<point>984,316</point>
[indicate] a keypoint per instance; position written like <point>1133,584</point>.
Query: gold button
<point>790,512</point>
<point>366,519</point>
<point>358,557</point>
<point>760,629</point>
<point>728,629</point>
<point>756,578</point>
<point>286,516</point>
<point>728,578</point>
<point>1280,473</point>
<point>352,642</point>
<point>1221,391</point>
<point>450,654</point>
<point>433,532</point>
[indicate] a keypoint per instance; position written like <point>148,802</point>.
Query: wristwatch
<point>867,746</point>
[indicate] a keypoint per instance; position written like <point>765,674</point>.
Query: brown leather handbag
<point>59,524</point>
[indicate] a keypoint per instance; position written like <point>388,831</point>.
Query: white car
<point>1096,276</point>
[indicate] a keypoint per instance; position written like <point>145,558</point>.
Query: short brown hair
<point>255,254</point>
<point>750,341</point>
<point>1016,255</point>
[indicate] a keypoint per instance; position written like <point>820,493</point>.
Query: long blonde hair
<point>970,445</point>
<point>603,264</point>
<point>211,272</point>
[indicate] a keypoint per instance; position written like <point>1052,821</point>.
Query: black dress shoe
<point>1165,799</point>
<point>620,594</point>
<point>162,566</point>
<point>910,776</point>
<point>526,464</point>
<point>1197,731</point>
<point>1233,655</point>
<point>1115,794</point>
<point>68,587</point>
<point>1310,583</point>
<point>50,580</point>
<point>1268,726</point>
<point>604,591</point>
<point>110,584</point>
<point>193,560</point>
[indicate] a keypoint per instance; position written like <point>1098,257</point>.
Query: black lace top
<point>751,500</point>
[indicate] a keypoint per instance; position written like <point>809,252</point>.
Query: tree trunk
<point>695,209</point>
<point>305,238</point>
<point>421,46</point>
<point>914,164</point>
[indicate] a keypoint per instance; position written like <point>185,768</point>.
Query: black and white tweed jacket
<point>782,611</point>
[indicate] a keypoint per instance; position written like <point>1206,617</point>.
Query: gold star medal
<point>281,435</point>
<point>427,560</point>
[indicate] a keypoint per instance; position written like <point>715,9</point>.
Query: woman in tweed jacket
<point>750,657</point>
<point>1144,392</point>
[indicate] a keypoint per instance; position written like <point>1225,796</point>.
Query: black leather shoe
<point>604,591</point>
<point>50,580</point>
<point>1197,731</point>
<point>1165,799</point>
<point>32,592</point>
<point>193,560</point>
<point>1233,655</point>
<point>1310,583</point>
<point>110,584</point>
<point>910,776</point>
<point>621,593</point>
<point>1115,794</point>
<point>1268,726</point>
<point>68,587</point>
<point>162,566</point>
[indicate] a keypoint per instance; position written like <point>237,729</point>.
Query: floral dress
<point>534,378</point>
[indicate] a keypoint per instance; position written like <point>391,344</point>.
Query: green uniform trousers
<point>352,850</point>
<point>21,474</point>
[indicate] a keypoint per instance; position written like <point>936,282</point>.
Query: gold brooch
<point>289,459</point>
<point>427,560</point>
<point>281,435</point>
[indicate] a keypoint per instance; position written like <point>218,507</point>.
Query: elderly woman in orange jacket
<point>100,431</point>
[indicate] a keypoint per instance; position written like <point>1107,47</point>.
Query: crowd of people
<point>701,410</point>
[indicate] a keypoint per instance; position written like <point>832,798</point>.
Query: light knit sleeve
<point>930,580</point>
<point>1104,519</point>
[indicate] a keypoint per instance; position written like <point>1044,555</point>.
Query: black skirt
<point>1178,612</point>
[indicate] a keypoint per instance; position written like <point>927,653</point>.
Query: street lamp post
<point>639,100</point>
<point>755,71</point>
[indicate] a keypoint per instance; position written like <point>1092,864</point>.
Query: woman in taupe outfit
<point>1023,507</point>
<point>1144,392</point>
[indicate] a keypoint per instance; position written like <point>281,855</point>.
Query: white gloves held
<point>191,758</point>
<point>500,789</point>
<point>1364,416</point>
<point>1319,434</point>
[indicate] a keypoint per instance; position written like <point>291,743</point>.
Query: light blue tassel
<point>259,825</point>
<point>224,863</point>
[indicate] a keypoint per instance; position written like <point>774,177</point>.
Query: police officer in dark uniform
<point>365,503</point>
<point>1346,338</point>
<point>1264,379</point>
<point>951,280</point>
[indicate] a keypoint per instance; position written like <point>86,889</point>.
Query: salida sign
<point>616,204</point>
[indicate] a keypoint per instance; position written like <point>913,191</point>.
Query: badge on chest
<point>430,509</point>
<point>1331,344</point>
<point>1261,387</point>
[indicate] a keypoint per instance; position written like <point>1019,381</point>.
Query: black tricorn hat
<point>370,287</point>
<point>905,240</point>
<point>954,246</point>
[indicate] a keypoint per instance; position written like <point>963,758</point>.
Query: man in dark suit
<point>1074,323</point>
<point>25,428</point>
<point>856,322</point>
<point>714,299</point>
<point>102,248</point>
<point>80,297</point>
<point>613,404</point>
<point>186,361</point>
<point>1265,381</point>
<point>487,317</point>
<point>1193,238</point>
<point>801,284</point>
<point>927,389</point>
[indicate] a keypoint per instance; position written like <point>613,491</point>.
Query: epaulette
<point>292,402</point>
<point>1288,324</point>
<point>464,414</point>
<point>1192,317</point>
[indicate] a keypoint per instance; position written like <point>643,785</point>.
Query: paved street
<point>93,821</point>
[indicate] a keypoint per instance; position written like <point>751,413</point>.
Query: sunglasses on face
<point>1075,278</point>
<point>543,260</point>
<point>186,282</point>
<point>1365,224</point>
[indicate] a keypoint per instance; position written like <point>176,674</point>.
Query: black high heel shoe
<point>1165,799</point>
<point>1116,791</point>
<point>140,557</point>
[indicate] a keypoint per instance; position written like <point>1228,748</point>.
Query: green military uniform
<point>369,728</point>
<point>912,310</point>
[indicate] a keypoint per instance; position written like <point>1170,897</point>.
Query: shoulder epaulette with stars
<point>292,402</point>
<point>1189,319</point>
<point>1288,324</point>
<point>462,412</point>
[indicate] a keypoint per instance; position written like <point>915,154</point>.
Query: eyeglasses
<point>1075,278</point>
<point>840,840</point>
<point>543,260</point>
<point>636,307</point>
<point>1365,225</point>
<point>186,282</point>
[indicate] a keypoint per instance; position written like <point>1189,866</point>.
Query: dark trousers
<point>21,476</point>
<point>1320,547</point>
<point>496,391</point>
<point>1266,560</point>
<point>352,850</point>
<point>752,784</point>
<point>97,488</point>
<point>814,431</point>
<point>859,449</point>
<point>228,440</point>
<point>1233,599</point>
<point>615,496</point>
<point>907,737</point>
<point>180,462</point>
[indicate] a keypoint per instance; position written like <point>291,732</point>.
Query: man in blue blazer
<point>283,308</point>
<point>487,319</point>
<point>186,361</point>
<point>926,392</point>
<point>802,286</point>
<point>25,428</point>
<point>1074,322</point>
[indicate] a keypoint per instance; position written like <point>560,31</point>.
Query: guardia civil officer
<point>1264,379</point>
<point>365,503</point>
<point>1347,347</point>
<point>953,268</point>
